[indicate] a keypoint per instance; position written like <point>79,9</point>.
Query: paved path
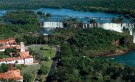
<point>54,63</point>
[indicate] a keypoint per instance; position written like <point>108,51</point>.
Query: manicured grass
<point>48,64</point>
<point>45,51</point>
<point>29,69</point>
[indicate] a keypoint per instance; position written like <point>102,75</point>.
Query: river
<point>128,58</point>
<point>62,14</point>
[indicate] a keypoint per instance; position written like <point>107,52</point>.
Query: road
<point>54,63</point>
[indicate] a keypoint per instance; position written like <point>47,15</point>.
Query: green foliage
<point>92,21</point>
<point>11,52</point>
<point>41,48</point>
<point>43,69</point>
<point>48,14</point>
<point>3,55</point>
<point>27,77</point>
<point>117,20</point>
<point>29,72</point>
<point>94,41</point>
<point>18,22</point>
<point>78,62</point>
<point>4,68</point>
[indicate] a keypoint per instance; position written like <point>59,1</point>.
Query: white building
<point>24,58</point>
<point>26,61</point>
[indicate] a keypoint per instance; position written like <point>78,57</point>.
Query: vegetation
<point>9,52</point>
<point>78,62</point>
<point>44,54</point>
<point>18,23</point>
<point>4,68</point>
<point>113,6</point>
<point>28,72</point>
<point>3,55</point>
<point>23,25</point>
<point>117,20</point>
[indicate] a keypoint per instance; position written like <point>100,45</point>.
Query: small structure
<point>12,74</point>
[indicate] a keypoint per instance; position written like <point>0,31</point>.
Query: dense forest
<point>94,41</point>
<point>113,6</point>
<point>78,62</point>
<point>18,22</point>
<point>22,25</point>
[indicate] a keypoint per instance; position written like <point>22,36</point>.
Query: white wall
<point>20,61</point>
<point>2,50</point>
<point>28,60</point>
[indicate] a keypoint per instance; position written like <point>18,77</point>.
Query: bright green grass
<point>30,69</point>
<point>47,52</point>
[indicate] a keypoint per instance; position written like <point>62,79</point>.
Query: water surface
<point>128,58</point>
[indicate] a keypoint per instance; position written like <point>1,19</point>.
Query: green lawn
<point>45,51</point>
<point>29,69</point>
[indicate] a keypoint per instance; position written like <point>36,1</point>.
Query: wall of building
<point>2,50</point>
<point>26,61</point>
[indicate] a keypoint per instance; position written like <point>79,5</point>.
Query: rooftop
<point>12,74</point>
<point>9,40</point>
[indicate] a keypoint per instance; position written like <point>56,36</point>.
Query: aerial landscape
<point>67,40</point>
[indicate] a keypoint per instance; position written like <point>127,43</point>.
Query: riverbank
<point>120,52</point>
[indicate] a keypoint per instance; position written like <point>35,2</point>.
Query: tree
<point>48,14</point>
<point>43,69</point>
<point>4,68</point>
<point>92,21</point>
<point>27,78</point>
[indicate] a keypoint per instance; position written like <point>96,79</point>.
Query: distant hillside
<point>121,6</point>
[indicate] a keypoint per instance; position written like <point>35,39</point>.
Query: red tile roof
<point>12,74</point>
<point>9,59</point>
<point>18,47</point>
<point>25,54</point>
<point>12,59</point>
<point>9,40</point>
